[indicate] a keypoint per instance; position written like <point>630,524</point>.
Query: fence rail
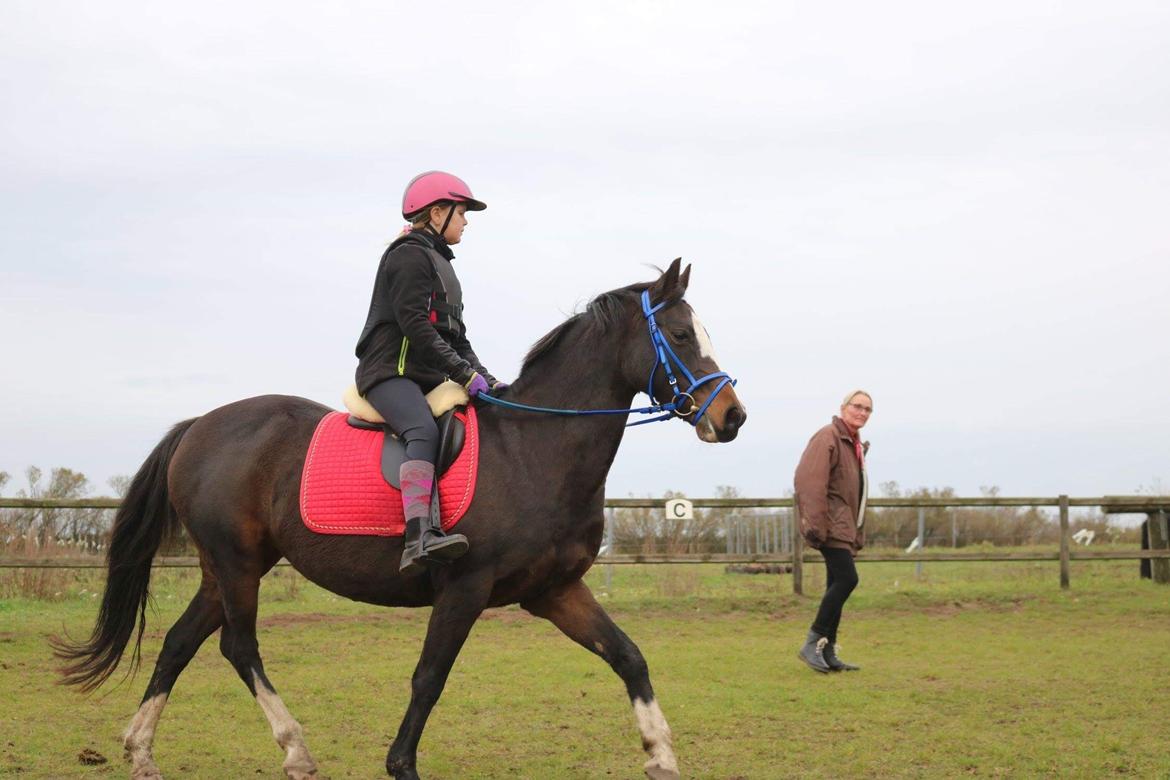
<point>1156,507</point>
<point>1111,504</point>
<point>179,562</point>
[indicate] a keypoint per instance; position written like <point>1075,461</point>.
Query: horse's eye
<point>681,335</point>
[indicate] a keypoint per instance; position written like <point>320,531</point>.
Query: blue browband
<point>681,404</point>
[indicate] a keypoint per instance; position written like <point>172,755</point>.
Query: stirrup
<point>442,548</point>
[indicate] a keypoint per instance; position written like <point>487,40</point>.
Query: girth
<point>451,436</point>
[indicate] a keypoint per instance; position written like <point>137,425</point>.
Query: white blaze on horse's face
<point>706,349</point>
<point>706,430</point>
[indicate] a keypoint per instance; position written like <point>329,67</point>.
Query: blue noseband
<point>665,356</point>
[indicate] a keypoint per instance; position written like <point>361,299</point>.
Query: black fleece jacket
<point>403,336</point>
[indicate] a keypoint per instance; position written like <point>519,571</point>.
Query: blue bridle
<point>663,356</point>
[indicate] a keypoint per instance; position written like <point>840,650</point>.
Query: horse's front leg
<point>458,604</point>
<point>573,610</point>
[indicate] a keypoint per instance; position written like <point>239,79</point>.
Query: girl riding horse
<point>413,340</point>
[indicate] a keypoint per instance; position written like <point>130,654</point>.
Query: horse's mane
<point>600,314</point>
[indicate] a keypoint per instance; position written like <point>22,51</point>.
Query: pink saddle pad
<point>342,490</point>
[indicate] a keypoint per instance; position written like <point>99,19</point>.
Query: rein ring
<point>694,407</point>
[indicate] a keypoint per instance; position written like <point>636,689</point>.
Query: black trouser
<point>404,408</point>
<point>840,580</point>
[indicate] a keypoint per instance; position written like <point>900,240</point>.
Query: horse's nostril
<point>736,417</point>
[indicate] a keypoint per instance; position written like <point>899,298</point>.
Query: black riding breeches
<point>840,580</point>
<point>404,408</point>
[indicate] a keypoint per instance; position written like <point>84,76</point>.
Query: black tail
<point>142,522</point>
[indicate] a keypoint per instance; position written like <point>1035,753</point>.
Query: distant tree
<point>119,484</point>
<point>1156,488</point>
<point>649,530</point>
<point>635,529</point>
<point>40,526</point>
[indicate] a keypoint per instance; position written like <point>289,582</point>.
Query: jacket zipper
<point>402,356</point>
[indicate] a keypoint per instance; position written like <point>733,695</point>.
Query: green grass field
<point>977,669</point>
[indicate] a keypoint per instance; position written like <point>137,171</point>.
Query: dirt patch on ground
<point>90,757</point>
<point>317,618</point>
<point>506,615</point>
<point>947,609</point>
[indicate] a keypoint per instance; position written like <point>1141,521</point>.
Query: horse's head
<point>677,363</point>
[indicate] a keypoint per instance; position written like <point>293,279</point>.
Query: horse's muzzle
<point>711,429</point>
<point>734,419</point>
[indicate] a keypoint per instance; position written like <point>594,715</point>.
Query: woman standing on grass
<point>831,489</point>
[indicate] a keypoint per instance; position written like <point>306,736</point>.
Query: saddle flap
<point>452,431</point>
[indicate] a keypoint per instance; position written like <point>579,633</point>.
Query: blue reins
<point>663,356</point>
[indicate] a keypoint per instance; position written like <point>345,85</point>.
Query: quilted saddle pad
<point>342,490</point>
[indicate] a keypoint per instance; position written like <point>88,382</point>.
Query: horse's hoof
<point>300,767</point>
<point>401,771</point>
<point>146,773</point>
<point>656,771</point>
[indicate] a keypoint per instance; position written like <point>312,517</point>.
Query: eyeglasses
<point>861,408</point>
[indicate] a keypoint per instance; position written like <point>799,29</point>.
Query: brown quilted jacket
<point>831,490</point>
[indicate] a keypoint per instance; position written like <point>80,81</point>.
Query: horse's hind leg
<point>203,615</point>
<point>574,611</point>
<point>238,644</point>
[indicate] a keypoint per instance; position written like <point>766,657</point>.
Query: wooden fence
<point>1157,508</point>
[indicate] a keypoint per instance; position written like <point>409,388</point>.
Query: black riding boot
<point>813,652</point>
<point>425,542</point>
<point>437,545</point>
<point>835,663</point>
<point>412,560</point>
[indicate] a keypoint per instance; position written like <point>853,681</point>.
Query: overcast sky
<point>960,207</point>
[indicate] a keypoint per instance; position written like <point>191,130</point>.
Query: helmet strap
<point>447,221</point>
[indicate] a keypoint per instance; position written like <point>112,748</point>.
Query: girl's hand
<point>476,385</point>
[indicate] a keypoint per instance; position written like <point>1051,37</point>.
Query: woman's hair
<point>856,393</point>
<point>422,218</point>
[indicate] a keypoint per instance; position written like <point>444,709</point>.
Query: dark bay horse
<point>232,477</point>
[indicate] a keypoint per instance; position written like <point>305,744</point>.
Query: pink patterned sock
<point>417,477</point>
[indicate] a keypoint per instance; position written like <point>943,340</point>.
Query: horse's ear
<point>667,287</point>
<point>684,279</point>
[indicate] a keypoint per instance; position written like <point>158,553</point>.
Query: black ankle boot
<point>835,663</point>
<point>412,550</point>
<point>438,546</point>
<point>812,653</point>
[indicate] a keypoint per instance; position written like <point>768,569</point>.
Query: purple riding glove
<point>476,385</point>
<point>500,387</point>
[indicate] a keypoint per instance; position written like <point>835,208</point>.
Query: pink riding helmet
<point>429,188</point>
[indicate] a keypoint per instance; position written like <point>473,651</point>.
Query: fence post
<point>797,556</point>
<point>921,540</point>
<point>1159,540</point>
<point>609,520</point>
<point>1063,541</point>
